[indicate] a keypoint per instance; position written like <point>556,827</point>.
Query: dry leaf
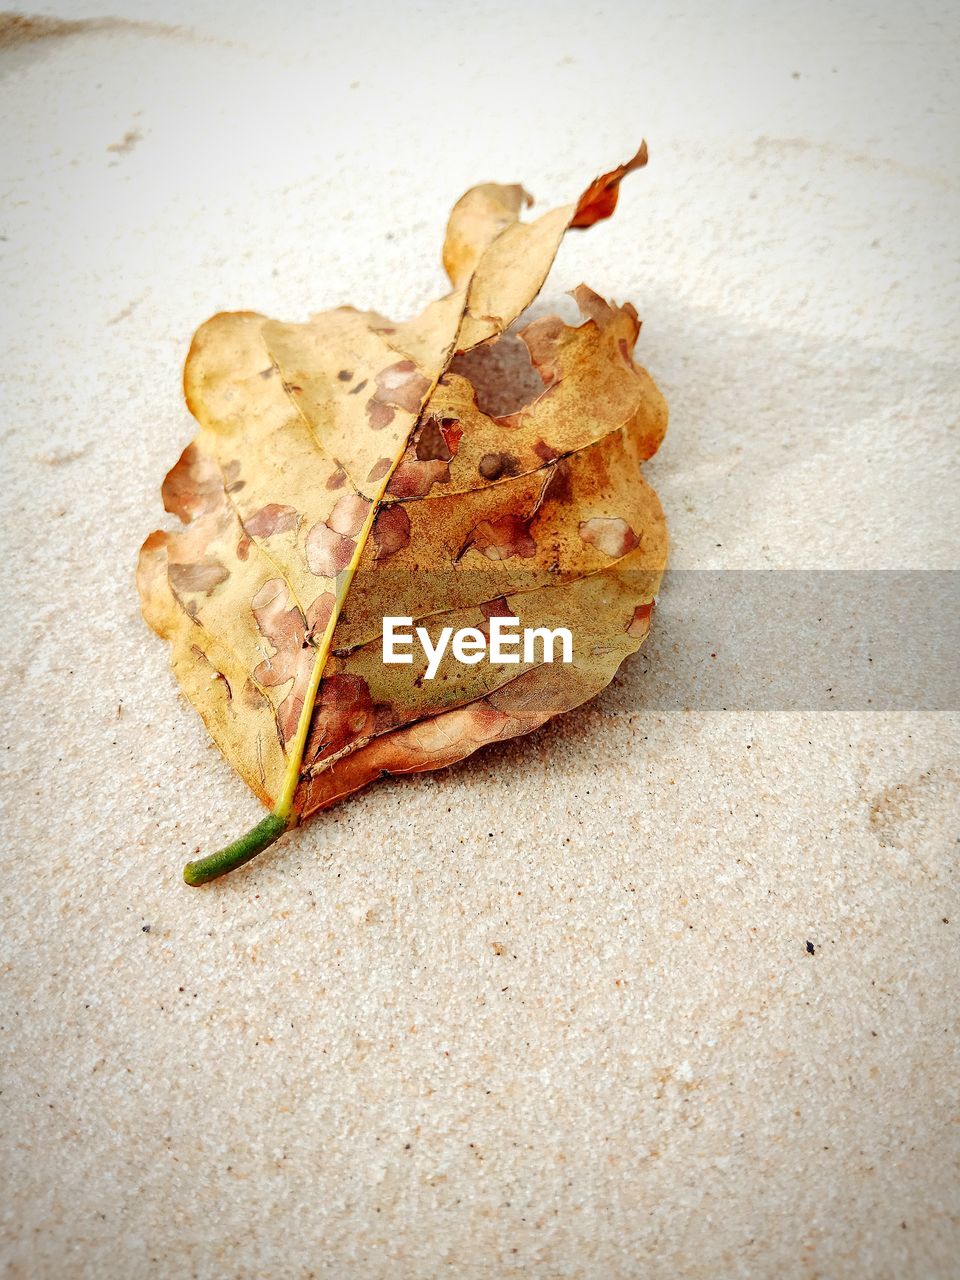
<point>349,469</point>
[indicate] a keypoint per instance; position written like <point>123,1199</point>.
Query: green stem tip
<point>258,838</point>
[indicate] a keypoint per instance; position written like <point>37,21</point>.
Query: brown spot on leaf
<point>344,375</point>
<point>559,487</point>
<point>379,469</point>
<point>379,415</point>
<point>391,530</point>
<point>385,716</point>
<point>337,479</point>
<point>194,486</point>
<point>639,624</point>
<point>502,538</point>
<point>531,695</point>
<point>497,608</point>
<point>349,514</point>
<point>487,718</point>
<point>331,543</point>
<point>544,451</point>
<point>343,712</point>
<point>608,534</point>
<point>399,386</point>
<point>319,614</point>
<point>328,552</point>
<point>282,625</point>
<point>494,465</point>
<point>199,578</point>
<point>231,477</point>
<point>270,520</point>
<point>266,522</point>
<point>416,479</point>
<point>253,697</point>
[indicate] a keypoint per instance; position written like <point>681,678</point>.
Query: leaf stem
<point>234,855</point>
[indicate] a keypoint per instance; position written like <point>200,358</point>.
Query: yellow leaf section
<point>564,498</point>
<point>569,519</point>
<point>478,217</point>
<point>270,543</point>
<point>588,385</point>
<point>510,272</point>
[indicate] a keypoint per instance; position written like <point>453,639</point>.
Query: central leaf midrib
<point>284,805</point>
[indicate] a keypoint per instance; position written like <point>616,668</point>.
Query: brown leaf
<point>349,469</point>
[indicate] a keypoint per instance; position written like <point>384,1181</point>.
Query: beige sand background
<point>551,1013</point>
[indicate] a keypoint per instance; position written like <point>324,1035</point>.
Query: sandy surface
<point>553,1012</point>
